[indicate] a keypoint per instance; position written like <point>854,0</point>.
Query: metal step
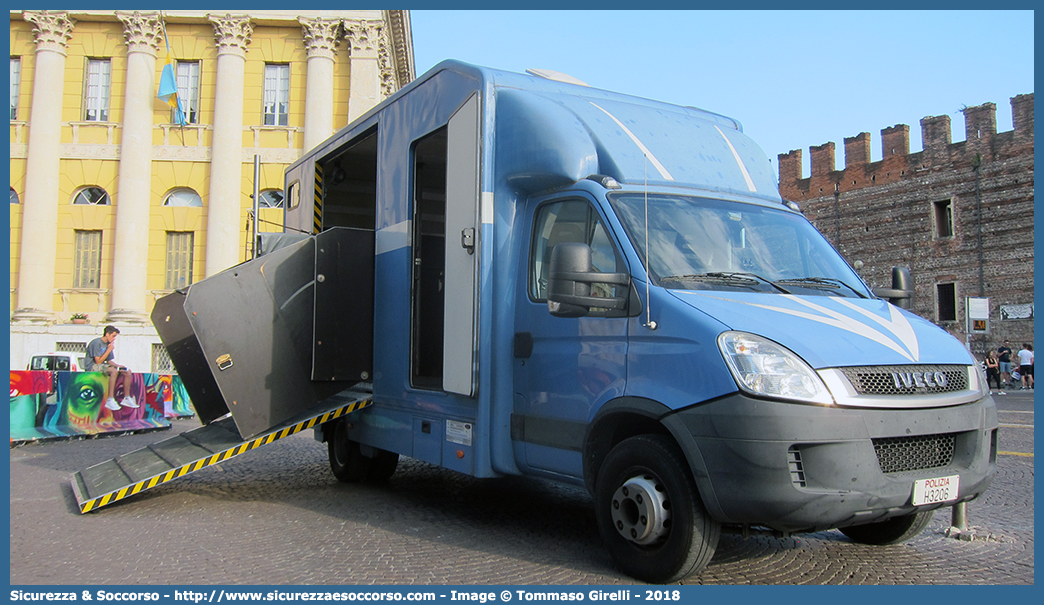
<point>140,470</point>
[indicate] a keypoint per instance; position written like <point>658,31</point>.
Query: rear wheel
<point>382,466</point>
<point>346,460</point>
<point>649,513</point>
<point>891,531</point>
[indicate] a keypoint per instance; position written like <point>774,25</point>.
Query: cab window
<point>570,221</point>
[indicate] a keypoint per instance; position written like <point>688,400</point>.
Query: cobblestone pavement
<point>277,516</point>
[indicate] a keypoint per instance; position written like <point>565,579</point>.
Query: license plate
<point>937,489</point>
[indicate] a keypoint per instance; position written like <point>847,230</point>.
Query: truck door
<point>462,199</point>
<point>563,367</point>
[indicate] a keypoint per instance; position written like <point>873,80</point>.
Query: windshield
<point>704,244</point>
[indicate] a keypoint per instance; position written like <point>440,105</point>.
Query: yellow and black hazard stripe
<point>317,215</point>
<point>134,488</point>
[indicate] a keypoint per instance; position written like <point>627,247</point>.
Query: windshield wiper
<point>828,282</point>
<point>730,277</point>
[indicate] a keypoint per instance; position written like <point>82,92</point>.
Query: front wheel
<point>649,514</point>
<point>891,531</point>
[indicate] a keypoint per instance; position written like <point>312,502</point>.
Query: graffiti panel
<point>64,404</point>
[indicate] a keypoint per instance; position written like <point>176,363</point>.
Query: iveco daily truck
<point>527,275</point>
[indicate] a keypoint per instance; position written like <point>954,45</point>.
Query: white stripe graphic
<point>907,345</point>
<point>656,163</point>
<point>898,325</point>
<point>742,166</point>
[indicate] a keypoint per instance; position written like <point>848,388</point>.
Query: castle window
<point>946,301</point>
<point>943,218</point>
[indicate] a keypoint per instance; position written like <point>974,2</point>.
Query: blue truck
<point>518,274</point>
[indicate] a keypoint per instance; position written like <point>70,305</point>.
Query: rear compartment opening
<point>429,260</point>
<point>349,185</point>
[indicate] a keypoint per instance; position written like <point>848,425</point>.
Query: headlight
<point>762,367</point>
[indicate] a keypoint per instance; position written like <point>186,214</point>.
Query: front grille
<point>908,380</point>
<point>905,454</point>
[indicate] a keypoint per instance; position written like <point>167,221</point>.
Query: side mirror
<point>902,291</point>
<point>569,283</point>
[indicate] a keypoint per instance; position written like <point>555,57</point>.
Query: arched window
<point>14,196</point>
<point>184,198</point>
<point>92,196</point>
<point>271,198</point>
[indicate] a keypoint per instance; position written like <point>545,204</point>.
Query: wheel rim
<point>641,511</point>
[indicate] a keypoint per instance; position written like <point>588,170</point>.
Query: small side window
<point>295,194</point>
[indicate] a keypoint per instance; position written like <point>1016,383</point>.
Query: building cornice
<point>401,40</point>
<point>397,24</point>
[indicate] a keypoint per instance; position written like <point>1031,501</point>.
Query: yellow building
<point>115,202</point>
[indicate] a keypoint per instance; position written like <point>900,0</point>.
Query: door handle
<point>467,239</point>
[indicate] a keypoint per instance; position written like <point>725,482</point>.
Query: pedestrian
<point>1026,365</point>
<point>1004,357</point>
<point>102,357</point>
<point>993,372</point>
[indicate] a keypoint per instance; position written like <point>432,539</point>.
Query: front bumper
<point>794,467</point>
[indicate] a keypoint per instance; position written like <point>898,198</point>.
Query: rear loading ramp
<point>271,338</point>
<point>154,465</point>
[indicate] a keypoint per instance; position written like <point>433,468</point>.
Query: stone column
<point>365,85</point>
<point>226,164</point>
<point>321,37</point>
<point>51,31</point>
<point>144,34</point>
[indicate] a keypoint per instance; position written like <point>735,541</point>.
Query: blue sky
<point>793,78</point>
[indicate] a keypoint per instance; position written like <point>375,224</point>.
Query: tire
<point>891,531</point>
<point>346,460</point>
<point>382,466</point>
<point>675,537</point>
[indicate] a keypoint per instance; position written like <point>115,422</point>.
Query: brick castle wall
<point>893,212</point>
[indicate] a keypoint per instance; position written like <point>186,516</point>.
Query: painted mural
<point>48,405</point>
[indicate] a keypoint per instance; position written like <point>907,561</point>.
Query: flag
<point>168,86</point>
